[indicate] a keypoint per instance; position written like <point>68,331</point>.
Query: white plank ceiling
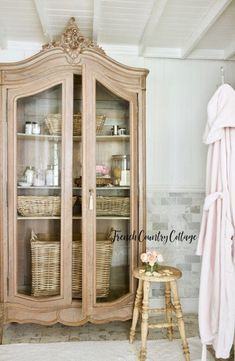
<point>200,29</point>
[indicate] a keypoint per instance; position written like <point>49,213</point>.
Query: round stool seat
<point>163,274</point>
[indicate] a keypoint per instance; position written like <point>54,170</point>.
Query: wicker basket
<point>39,206</point>
<point>54,123</point>
<point>103,265</point>
<point>100,181</point>
<point>77,124</point>
<point>46,267</point>
<point>111,206</point>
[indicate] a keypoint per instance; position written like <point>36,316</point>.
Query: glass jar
<point>50,175</point>
<point>121,169</point>
<point>29,175</point>
<point>35,128</point>
<point>39,178</point>
<point>28,128</point>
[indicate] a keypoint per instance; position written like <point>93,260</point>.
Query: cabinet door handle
<point>91,200</point>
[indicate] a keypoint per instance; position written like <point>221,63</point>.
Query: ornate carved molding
<point>73,42</point>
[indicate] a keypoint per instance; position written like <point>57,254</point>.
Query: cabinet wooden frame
<point>51,67</point>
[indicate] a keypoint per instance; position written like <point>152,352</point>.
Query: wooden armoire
<point>72,184</point>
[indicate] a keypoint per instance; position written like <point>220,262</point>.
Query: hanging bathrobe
<point>216,241</point>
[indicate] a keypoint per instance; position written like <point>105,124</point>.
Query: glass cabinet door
<point>39,184</point>
<point>77,189</point>
<point>113,195</point>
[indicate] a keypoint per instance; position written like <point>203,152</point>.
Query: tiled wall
<point>181,212</point>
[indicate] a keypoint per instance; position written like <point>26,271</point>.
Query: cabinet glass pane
<point>113,192</point>
<point>77,190</point>
<point>38,163</point>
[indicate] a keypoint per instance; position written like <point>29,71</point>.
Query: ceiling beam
<point>229,51</point>
<point>40,6</point>
<point>96,20</point>
<point>156,13</point>
<point>212,15</point>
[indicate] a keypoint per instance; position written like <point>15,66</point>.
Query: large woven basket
<point>113,206</point>
<point>39,206</point>
<point>103,265</point>
<point>46,267</point>
<point>54,123</point>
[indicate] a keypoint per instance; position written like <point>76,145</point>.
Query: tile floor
<point>16,333</point>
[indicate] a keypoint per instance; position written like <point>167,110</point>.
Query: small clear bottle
<point>29,174</point>
<point>50,175</point>
<point>39,178</point>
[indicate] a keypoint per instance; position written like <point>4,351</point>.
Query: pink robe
<point>216,241</point>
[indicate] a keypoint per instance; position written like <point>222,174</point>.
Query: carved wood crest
<point>73,42</point>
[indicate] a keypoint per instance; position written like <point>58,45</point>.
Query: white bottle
<point>56,166</point>
<point>29,174</point>
<point>50,176</point>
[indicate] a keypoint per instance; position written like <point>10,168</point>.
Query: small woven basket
<point>54,123</point>
<point>100,181</point>
<point>39,206</point>
<point>113,206</point>
<point>46,266</point>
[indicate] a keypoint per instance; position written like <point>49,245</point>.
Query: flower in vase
<point>151,258</point>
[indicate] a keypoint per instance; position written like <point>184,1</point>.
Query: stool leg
<point>144,323</point>
<point>168,310</point>
<point>136,311</point>
<point>180,320</point>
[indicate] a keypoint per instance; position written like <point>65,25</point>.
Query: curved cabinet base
<point>71,316</point>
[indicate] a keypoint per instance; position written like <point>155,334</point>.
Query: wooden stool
<point>169,276</point>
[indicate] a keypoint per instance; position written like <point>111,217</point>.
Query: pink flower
<point>144,257</point>
<point>160,258</point>
<point>152,259</point>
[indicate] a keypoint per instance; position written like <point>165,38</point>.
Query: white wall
<point>177,95</point>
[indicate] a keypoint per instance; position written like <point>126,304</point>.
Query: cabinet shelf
<point>108,138</point>
<point>42,187</point>
<point>76,138</point>
<point>39,137</point>
<point>112,188</point>
<point>104,188</point>
<point>111,217</point>
<point>105,138</point>
<point>19,218</point>
<point>104,217</point>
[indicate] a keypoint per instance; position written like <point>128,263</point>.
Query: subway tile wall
<point>172,217</point>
